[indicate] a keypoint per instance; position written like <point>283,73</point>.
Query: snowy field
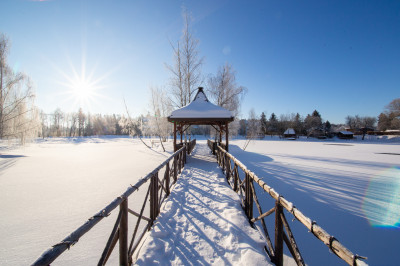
<point>49,188</point>
<point>351,188</point>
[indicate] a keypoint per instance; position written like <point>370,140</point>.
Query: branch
<point>130,120</point>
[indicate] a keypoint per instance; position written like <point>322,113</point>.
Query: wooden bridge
<point>171,172</point>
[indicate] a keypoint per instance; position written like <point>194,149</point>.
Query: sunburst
<point>82,89</point>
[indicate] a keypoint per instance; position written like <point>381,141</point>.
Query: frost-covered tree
<point>253,127</point>
<point>383,122</point>
<point>161,108</point>
<point>186,69</point>
<point>81,122</point>
<point>313,121</point>
<point>390,119</point>
<point>19,117</point>
<point>358,122</point>
<point>224,91</point>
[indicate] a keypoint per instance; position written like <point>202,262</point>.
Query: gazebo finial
<point>201,96</point>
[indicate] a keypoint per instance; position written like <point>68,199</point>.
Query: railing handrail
<point>335,246</point>
<point>56,250</point>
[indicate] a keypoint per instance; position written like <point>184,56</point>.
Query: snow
<point>346,132</point>
<point>200,107</point>
<point>202,222</point>
<point>50,188</point>
<point>351,188</point>
<point>289,131</point>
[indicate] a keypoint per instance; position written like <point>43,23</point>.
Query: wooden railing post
<point>248,197</point>
<point>184,154</point>
<point>123,234</point>
<point>228,167</point>
<point>223,158</point>
<point>179,162</point>
<point>235,178</point>
<point>278,259</point>
<point>154,198</point>
<point>166,176</point>
<point>175,169</point>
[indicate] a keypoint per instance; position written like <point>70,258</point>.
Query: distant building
<point>289,134</point>
<point>345,135</point>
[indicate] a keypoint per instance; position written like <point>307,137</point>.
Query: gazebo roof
<point>201,110</point>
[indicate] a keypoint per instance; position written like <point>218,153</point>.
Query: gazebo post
<point>226,136</point>
<point>220,133</point>
<point>174,136</point>
<point>180,131</point>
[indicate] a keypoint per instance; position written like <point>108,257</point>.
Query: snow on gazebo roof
<point>289,131</point>
<point>201,109</point>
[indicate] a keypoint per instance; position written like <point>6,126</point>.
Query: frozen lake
<point>50,188</point>
<point>351,188</point>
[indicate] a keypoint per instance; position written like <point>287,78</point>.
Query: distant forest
<point>61,124</point>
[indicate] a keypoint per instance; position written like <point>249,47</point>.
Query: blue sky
<point>339,57</point>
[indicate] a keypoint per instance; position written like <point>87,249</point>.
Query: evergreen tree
<point>273,124</point>
<point>327,127</point>
<point>263,122</point>
<point>298,124</point>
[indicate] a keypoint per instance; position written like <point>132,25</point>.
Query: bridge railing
<point>158,189</point>
<point>245,188</point>
<point>190,146</point>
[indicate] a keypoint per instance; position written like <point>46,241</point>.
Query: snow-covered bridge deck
<point>202,221</point>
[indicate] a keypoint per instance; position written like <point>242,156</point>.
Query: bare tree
<point>58,116</point>
<point>186,70</point>
<point>18,114</point>
<point>253,127</point>
<point>393,112</point>
<point>224,90</point>
<point>161,108</point>
<point>132,124</point>
<point>81,122</point>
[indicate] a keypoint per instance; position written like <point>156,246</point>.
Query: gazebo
<point>201,112</point>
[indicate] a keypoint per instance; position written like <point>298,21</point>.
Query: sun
<point>83,90</point>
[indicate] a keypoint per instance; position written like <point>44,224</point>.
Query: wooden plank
<point>270,248</point>
<point>292,245</point>
<point>265,214</point>
<point>138,215</point>
<point>109,247</point>
<point>138,221</point>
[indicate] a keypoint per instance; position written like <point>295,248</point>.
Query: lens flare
<point>381,204</point>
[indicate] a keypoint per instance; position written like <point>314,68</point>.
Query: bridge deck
<point>202,221</point>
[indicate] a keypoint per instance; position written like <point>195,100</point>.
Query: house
<point>289,134</point>
<point>345,135</point>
